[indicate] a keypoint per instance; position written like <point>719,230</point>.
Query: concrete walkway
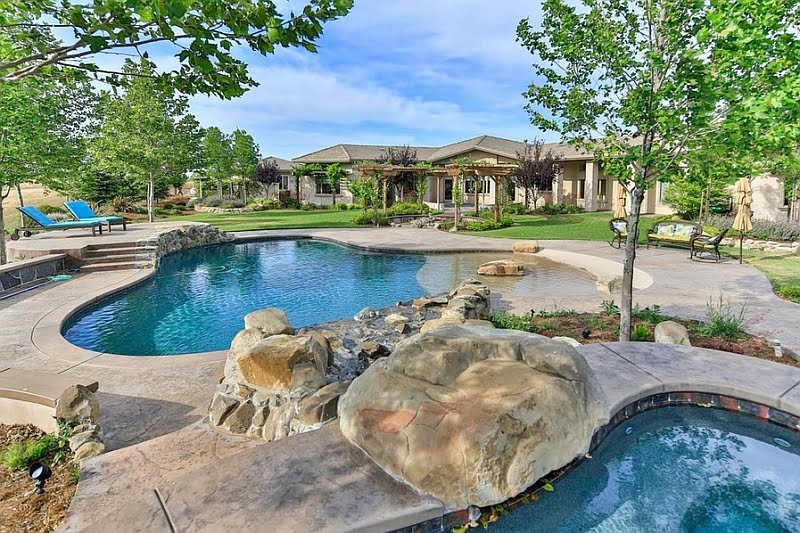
<point>317,481</point>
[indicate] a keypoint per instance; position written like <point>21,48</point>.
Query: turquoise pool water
<point>677,469</point>
<point>197,299</point>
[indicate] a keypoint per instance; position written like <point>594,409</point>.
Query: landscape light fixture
<point>586,333</point>
<point>40,473</point>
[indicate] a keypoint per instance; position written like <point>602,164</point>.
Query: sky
<point>418,72</point>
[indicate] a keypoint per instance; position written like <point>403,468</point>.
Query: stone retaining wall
<point>15,275</point>
<point>765,246</point>
<point>182,238</point>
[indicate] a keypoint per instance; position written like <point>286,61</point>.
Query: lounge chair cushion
<point>82,211</point>
<point>43,220</point>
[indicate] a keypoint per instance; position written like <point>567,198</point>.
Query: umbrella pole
<point>741,240</point>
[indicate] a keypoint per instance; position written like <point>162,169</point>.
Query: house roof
<point>283,164</point>
<point>351,153</point>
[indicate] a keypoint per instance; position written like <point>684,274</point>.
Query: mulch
<point>21,509</point>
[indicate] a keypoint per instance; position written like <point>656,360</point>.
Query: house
<point>581,182</point>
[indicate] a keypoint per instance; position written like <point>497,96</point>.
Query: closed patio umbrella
<point>742,222</point>
<point>622,199</point>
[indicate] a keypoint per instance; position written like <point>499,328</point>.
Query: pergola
<point>498,173</point>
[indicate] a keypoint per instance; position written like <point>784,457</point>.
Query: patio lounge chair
<point>46,224</point>
<point>82,212</point>
<point>619,227</point>
<point>707,244</point>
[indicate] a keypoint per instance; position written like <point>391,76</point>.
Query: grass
<point>261,220</point>
<point>584,226</point>
<point>32,194</point>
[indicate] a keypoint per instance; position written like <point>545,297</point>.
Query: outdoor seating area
<point>673,233</point>
<point>84,216</point>
<point>707,245</point>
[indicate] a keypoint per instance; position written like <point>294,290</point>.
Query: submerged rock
<point>474,415</point>
<point>503,267</point>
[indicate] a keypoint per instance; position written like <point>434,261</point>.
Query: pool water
<point>198,298</point>
<point>677,469</point>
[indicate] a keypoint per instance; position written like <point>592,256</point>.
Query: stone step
<point>126,258</point>
<point>105,245</point>
<point>103,267</point>
<point>127,250</point>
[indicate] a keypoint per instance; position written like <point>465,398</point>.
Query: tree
<point>302,171</point>
<point>147,136</point>
<point>537,171</point>
<point>244,158</point>
<point>399,156</point>
<point>638,75</point>
<point>42,128</point>
<point>268,173</point>
<point>202,33</point>
<point>334,176</point>
<point>218,156</point>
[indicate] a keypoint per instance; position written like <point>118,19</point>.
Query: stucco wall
<point>768,198</point>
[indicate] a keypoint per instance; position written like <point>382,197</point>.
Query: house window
<point>602,189</point>
<point>484,185</point>
<point>581,189</point>
<point>323,187</point>
<point>284,185</point>
<point>662,187</point>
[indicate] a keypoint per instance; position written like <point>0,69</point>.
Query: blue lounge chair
<point>46,224</point>
<point>82,212</point>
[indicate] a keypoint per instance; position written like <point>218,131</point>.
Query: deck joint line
<point>631,362</point>
<point>166,512</point>
<point>790,389</point>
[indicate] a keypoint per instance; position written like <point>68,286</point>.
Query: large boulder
<point>473,416</point>
<point>272,321</point>
<point>503,267</point>
<point>270,363</point>
<point>669,332</point>
<point>526,247</point>
<point>77,405</point>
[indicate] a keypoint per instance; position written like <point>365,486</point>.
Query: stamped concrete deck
<point>152,406</point>
<point>318,482</point>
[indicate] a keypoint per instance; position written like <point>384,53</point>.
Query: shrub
<point>310,206</point>
<point>120,204</point>
<point>650,314</point>
<point>193,202</point>
<point>50,209</point>
<point>290,203</point>
<point>408,208</point>
<point>640,333</point>
<point>371,219</point>
<point>19,455</point>
<point>340,207</point>
<point>353,207</point>
<point>263,204</point>
<point>446,226</point>
<point>167,206</point>
<point>559,209</point>
<point>556,313</point>
<point>506,320</point>
<point>770,230</point>
<point>160,212</point>
<point>609,308</point>
<point>723,319</point>
<point>505,221</point>
<point>515,209</point>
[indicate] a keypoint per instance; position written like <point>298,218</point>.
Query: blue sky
<point>425,73</point>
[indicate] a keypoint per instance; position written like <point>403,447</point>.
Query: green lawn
<point>584,227</point>
<point>275,219</point>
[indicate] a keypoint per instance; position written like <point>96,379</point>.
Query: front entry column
<point>558,187</point>
<point>590,186</point>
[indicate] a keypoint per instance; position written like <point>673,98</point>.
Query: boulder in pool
<point>474,416</point>
<point>503,267</point>
<point>272,321</point>
<point>270,363</point>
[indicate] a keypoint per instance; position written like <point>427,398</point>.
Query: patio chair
<point>707,244</point>
<point>619,227</point>
<point>82,212</point>
<point>46,224</point>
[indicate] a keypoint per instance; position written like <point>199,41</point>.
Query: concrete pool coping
<point>46,333</point>
<point>318,481</point>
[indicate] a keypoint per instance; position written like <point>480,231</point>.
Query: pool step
<point>127,250</point>
<point>117,258</point>
<point>109,245</point>
<point>103,267</point>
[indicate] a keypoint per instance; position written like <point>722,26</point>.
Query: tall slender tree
<point>400,156</point>
<point>218,156</point>
<point>244,157</point>
<point>334,174</point>
<point>147,136</point>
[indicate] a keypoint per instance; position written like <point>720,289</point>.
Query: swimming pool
<point>677,469</point>
<point>197,299</point>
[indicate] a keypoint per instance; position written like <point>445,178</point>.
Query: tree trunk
<point>3,256</point>
<point>385,195</point>
<point>151,193</point>
<point>219,187</point>
<point>527,200</point>
<point>21,204</point>
<point>626,303</point>
<point>244,191</point>
<point>475,192</point>
<point>793,205</point>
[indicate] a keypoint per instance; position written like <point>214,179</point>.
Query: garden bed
<point>605,328</point>
<point>21,509</point>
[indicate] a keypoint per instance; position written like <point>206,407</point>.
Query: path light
<point>586,333</point>
<point>40,473</point>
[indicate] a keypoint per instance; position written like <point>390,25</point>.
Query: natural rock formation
<point>610,285</point>
<point>503,267</point>
<point>275,383</point>
<point>526,247</point>
<point>79,407</point>
<point>567,340</point>
<point>468,302</point>
<point>473,416</point>
<point>398,322</point>
<point>670,332</point>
